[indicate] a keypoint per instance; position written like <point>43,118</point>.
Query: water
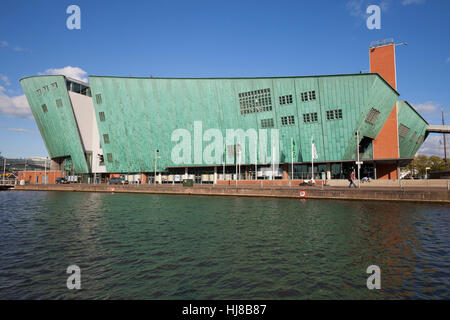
<point>175,247</point>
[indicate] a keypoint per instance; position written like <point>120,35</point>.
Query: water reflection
<point>175,247</point>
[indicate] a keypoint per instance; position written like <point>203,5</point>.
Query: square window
<point>98,98</point>
<point>54,85</point>
<point>44,108</point>
<point>101,115</point>
<point>106,138</point>
<point>59,103</point>
<point>38,91</point>
<point>45,88</point>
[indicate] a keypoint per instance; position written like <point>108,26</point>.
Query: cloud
<point>434,146</point>
<point>15,106</point>
<point>68,71</point>
<point>426,107</point>
<point>3,43</point>
<point>22,130</point>
<point>408,2</point>
<point>5,79</point>
<point>18,105</point>
<point>356,9</point>
<point>448,59</point>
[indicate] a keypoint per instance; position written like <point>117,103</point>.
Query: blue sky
<point>217,38</point>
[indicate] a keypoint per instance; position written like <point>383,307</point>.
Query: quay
<point>436,194</point>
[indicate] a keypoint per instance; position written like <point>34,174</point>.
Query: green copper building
<point>126,125</point>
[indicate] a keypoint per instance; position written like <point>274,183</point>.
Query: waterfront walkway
<point>366,192</point>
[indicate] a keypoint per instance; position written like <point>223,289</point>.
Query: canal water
<point>176,247</point>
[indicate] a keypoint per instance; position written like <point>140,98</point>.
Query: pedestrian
<point>351,178</point>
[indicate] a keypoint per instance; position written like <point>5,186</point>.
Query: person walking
<point>351,178</point>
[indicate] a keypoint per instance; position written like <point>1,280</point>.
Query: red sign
<point>302,194</point>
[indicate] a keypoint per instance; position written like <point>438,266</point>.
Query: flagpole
<point>256,161</point>
<point>312,160</point>
<point>292,158</point>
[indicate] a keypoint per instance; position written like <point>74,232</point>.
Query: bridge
<point>438,128</point>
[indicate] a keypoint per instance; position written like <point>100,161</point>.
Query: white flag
<point>314,152</point>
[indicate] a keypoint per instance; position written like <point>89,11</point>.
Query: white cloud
<point>22,130</point>
<point>434,146</point>
<point>448,59</point>
<point>3,43</point>
<point>408,2</point>
<point>68,71</point>
<point>15,106</point>
<point>356,9</point>
<point>18,105</point>
<point>5,79</point>
<point>426,107</point>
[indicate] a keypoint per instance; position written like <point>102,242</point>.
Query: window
<point>372,116</point>
<point>334,114</point>
<point>44,108</point>
<point>308,96</point>
<point>310,117</point>
<point>59,103</point>
<point>45,88</point>
<point>286,99</point>
<point>287,121</point>
<point>76,87</point>
<point>403,130</point>
<point>101,115</point>
<point>109,157</point>
<point>419,141</point>
<point>38,91</point>
<point>106,138</point>
<point>98,98</point>
<point>54,85</point>
<point>267,123</point>
<point>413,136</point>
<point>255,101</point>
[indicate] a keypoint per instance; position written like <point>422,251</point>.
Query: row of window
<point>310,117</point>
<point>287,121</point>
<point>255,101</point>
<point>45,88</point>
<point>59,104</point>
<point>334,114</point>
<point>307,118</point>
<point>403,132</point>
<point>286,99</point>
<point>260,100</point>
<point>308,96</point>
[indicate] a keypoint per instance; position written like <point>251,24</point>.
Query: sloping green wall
<point>142,113</point>
<point>57,126</point>
<point>411,119</point>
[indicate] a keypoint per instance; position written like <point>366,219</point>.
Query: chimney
<point>382,60</point>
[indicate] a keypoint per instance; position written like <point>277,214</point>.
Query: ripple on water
<point>165,247</point>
